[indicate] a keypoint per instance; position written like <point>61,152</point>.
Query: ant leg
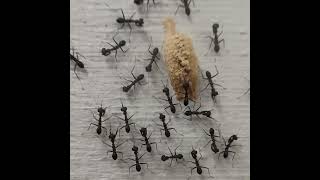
<point>74,70</point>
<point>234,153</point>
<point>192,169</point>
<point>170,151</point>
<point>161,131</point>
<point>210,43</point>
<point>106,119</point>
<point>205,88</point>
<point>219,85</point>
<point>106,144</point>
<point>142,155</point>
<point>192,3</point>
<point>223,42</point>
<point>156,145</point>
<point>115,55</point>
<point>220,153</point>
<point>203,76</point>
<point>170,162</point>
<point>111,45</point>
<point>122,14</point>
<point>206,168</point>
<point>131,167</point>
<point>108,152</point>
<point>121,153</point>
<point>93,124</point>
<point>132,72</point>
<point>207,144</point>
<point>217,72</point>
<point>145,164</point>
<point>94,116</point>
<point>177,9</point>
<point>130,31</point>
<point>244,93</point>
<point>120,144</point>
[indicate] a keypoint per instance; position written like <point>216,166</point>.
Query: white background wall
<point>92,22</point>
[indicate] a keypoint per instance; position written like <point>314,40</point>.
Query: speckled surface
<point>92,23</point>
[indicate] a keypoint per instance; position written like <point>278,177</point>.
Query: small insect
<point>215,40</point>
<point>228,145</point>
<point>173,156</point>
<point>166,130</point>
<point>211,134</point>
<point>137,159</point>
<point>136,80</point>
<point>122,20</point>
<point>126,119</point>
<point>154,54</point>
<point>112,138</point>
<point>186,5</point>
<point>77,62</point>
<point>197,113</point>
<point>185,87</point>
<point>101,112</point>
<point>107,52</point>
<point>144,132</point>
<point>166,91</point>
<point>209,77</point>
<point>139,2</point>
<point>196,162</point>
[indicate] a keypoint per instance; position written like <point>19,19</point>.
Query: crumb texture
<point>181,60</point>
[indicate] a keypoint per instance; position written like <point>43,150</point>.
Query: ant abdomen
<point>138,2</point>
<point>99,131</point>
<point>185,102</point>
<point>149,148</point>
<point>167,133</point>
<point>148,68</point>
<point>127,129</point>
<point>114,156</point>
<point>120,20</point>
<point>188,11</point>
<point>216,49</point>
<point>122,43</point>
<point>214,148</point>
<point>199,170</point>
<point>140,77</point>
<point>173,109</point>
<point>125,88</point>
<point>138,167</point>
<point>180,156</point>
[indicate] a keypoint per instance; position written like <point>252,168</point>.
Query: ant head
<point>143,131</point>
<point>114,156</point>
<point>216,49</point>
<point>137,2</point>
<point>139,22</point>
<point>112,136</point>
<point>165,90</point>
<point>105,51</point>
<point>135,148</point>
<point>199,170</point>
<point>167,133</point>
<point>125,88</point>
<point>148,68</point>
<point>141,76</point>
<point>211,131</point>
<point>155,51</point>
<point>180,156</point>
<point>188,11</point>
<point>123,109</point>
<point>215,27</point>
<point>162,116</point>
<point>80,64</point>
<point>99,131</point>
<point>208,74</point>
<point>149,148</point>
<point>214,93</point>
<point>194,153</point>
<point>207,113</point>
<point>127,129</point>
<point>234,137</point>
<point>101,111</point>
<point>122,43</point>
<point>225,154</point>
<point>164,158</point>
<point>187,113</point>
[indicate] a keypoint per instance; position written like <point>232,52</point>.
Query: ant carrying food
<point>122,20</point>
<point>107,52</point>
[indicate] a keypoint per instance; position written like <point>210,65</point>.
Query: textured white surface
<point>92,22</point>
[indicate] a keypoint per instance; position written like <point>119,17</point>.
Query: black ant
<point>186,6</point>
<point>197,113</point>
<point>162,117</point>
<point>112,138</point>
<point>101,112</point>
<point>137,164</point>
<point>214,147</point>
<point>185,87</point>
<point>199,168</point>
<point>209,77</point>
<point>228,145</point>
<point>77,62</point>
<point>143,132</point>
<point>107,52</point>
<point>154,54</point>
<point>173,156</point>
<point>166,91</point>
<point>215,39</point>
<point>136,80</point>
<point>139,2</point>
<point>126,119</point>
<point>122,20</point>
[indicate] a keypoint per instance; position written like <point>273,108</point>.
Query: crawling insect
<point>186,6</point>
<point>173,156</point>
<point>114,147</point>
<point>107,52</point>
<point>122,20</point>
<point>215,40</point>
<point>196,162</point>
<point>101,112</point>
